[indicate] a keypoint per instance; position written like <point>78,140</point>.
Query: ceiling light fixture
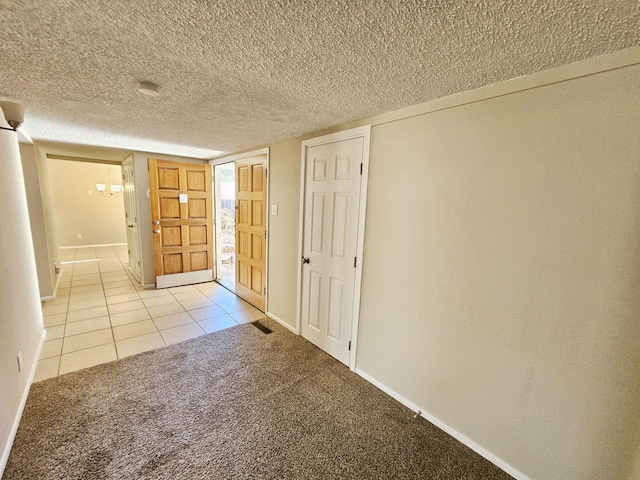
<point>14,113</point>
<point>149,89</point>
<point>114,188</point>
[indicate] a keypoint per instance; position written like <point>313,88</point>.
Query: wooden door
<point>329,244</point>
<point>251,229</point>
<point>131,215</point>
<point>181,221</point>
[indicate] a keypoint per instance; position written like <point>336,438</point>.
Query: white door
<point>332,184</point>
<point>131,213</point>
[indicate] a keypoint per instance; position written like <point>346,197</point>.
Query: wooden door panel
<point>168,178</point>
<point>182,222</point>
<point>257,178</point>
<point>198,260</point>
<point>251,201</point>
<point>196,181</point>
<point>243,213</point>
<point>257,214</point>
<point>243,178</point>
<point>257,247</point>
<point>197,235</point>
<point>171,236</point>
<point>256,280</point>
<point>243,241</point>
<point>197,208</point>
<point>244,275</point>
<point>169,208</point>
<point>172,263</point>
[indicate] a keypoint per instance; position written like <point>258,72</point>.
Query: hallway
<point>101,314</point>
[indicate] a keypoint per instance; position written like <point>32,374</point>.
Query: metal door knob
<point>156,231</point>
<point>156,222</point>
<point>305,260</point>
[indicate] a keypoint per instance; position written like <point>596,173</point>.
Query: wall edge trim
<point>67,247</point>
<point>497,461</point>
<point>620,59</point>
<point>282,322</point>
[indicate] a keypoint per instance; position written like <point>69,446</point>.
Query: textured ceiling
<point>234,74</point>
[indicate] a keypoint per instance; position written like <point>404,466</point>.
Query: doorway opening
<point>225,200</point>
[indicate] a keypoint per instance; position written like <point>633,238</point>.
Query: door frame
<point>240,156</point>
<point>217,226</point>
<point>168,280</point>
<point>129,162</point>
<point>359,132</point>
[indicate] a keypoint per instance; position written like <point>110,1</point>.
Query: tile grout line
<point>64,330</point>
<point>121,270</point>
<point>113,338</point>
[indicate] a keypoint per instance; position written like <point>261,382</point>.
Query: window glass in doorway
<point>225,193</point>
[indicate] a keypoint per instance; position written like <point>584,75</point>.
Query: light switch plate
<point>274,209</point>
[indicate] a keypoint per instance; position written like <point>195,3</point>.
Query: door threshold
<point>229,286</point>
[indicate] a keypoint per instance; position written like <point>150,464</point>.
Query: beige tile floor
<point>101,314</point>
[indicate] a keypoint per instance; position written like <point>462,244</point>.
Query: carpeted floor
<point>232,404</point>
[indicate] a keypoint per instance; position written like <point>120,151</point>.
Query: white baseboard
<point>67,247</point>
<point>23,401</point>
<point>186,278</point>
<point>518,475</point>
<point>282,322</point>
<point>55,289</point>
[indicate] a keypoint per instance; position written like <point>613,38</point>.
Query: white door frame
<point>365,134</point>
<point>239,156</point>
<point>134,247</point>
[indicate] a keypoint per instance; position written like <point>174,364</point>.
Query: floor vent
<point>261,327</point>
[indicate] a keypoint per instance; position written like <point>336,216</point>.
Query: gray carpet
<point>231,404</point>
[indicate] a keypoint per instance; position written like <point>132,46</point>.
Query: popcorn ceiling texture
<point>240,73</point>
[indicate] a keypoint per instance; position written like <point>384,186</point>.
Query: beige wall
<point>502,260</point>
<point>47,211</point>
<point>35,168</point>
<point>79,209</point>
<point>46,274</point>
<point>21,328</point>
<point>284,191</point>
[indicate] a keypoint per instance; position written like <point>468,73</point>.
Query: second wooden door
<point>251,230</point>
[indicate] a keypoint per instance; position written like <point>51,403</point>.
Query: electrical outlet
<point>20,361</point>
<point>79,236</point>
